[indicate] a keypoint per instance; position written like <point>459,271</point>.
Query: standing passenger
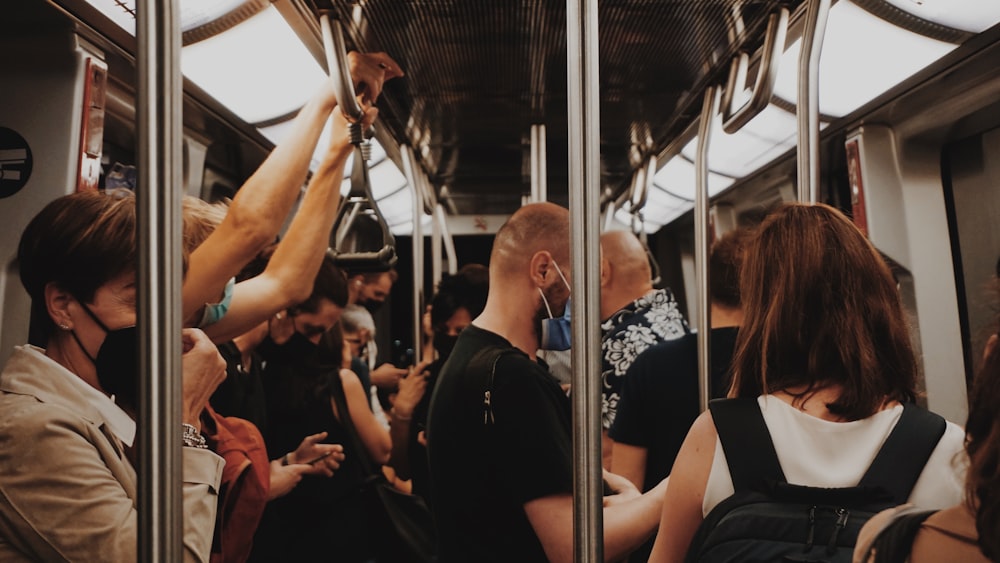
<point>67,489</point>
<point>659,399</point>
<point>825,350</point>
<point>499,427</point>
<point>636,316</point>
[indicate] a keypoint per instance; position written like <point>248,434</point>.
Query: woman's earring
<point>64,326</point>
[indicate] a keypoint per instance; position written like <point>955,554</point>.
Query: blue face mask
<point>556,334</point>
<point>215,311</point>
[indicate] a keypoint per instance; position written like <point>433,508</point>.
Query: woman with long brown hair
<point>825,351</point>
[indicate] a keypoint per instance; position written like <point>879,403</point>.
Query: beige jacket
<point>66,491</point>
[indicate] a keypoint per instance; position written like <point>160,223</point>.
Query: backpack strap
<point>750,454</point>
<point>901,460</point>
<point>484,362</point>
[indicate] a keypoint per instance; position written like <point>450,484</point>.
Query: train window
<point>972,174</point>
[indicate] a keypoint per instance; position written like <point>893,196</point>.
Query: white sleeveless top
<point>821,453</point>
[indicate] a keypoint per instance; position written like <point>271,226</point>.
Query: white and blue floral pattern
<point>649,320</point>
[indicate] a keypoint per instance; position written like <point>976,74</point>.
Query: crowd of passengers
<point>285,406</point>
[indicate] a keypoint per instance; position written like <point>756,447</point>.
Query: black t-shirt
<point>241,394</point>
<point>659,402</point>
<point>485,468</point>
<point>660,397</point>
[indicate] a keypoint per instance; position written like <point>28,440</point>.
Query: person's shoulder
<point>667,352</point>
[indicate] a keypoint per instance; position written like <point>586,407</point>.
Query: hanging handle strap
<point>360,198</point>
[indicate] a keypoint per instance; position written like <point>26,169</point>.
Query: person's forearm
<point>297,259</point>
<point>258,210</point>
<point>628,525</point>
<point>399,432</point>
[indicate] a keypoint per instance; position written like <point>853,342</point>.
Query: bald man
<point>499,428</point>
<point>635,317</point>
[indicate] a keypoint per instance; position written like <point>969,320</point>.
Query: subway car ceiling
<point>480,75</point>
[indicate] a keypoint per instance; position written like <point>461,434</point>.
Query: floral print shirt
<point>649,320</point>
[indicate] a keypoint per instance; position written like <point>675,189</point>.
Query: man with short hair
<point>635,317</point>
<point>499,427</point>
<point>660,400</point>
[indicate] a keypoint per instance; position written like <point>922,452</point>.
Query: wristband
<point>398,416</point>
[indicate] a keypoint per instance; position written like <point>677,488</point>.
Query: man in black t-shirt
<point>659,398</point>
<point>499,428</point>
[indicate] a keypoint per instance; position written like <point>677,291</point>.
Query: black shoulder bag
<point>406,528</point>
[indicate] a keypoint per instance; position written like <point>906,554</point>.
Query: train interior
<point>909,117</point>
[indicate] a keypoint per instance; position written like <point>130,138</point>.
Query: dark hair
<point>821,309</point>
<point>374,277</point>
<point>79,242</point>
<point>467,289</point>
<point>330,283</point>
<point>724,267</point>
<point>982,442</point>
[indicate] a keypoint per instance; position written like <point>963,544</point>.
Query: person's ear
<point>538,268</point>
<point>605,272</point>
<point>57,302</point>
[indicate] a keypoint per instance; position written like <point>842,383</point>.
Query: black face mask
<point>444,344</point>
<point>296,349</point>
<point>373,306</point>
<point>117,362</point>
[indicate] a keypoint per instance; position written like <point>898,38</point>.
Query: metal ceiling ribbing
<point>480,73</point>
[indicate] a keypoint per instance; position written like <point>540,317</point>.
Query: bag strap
<point>485,361</point>
<point>747,443</point>
<point>893,542</point>
<point>899,463</point>
<point>337,391</point>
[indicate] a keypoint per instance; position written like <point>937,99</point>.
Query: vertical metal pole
<point>158,199</point>
<point>449,243</point>
<point>418,276</point>
<point>435,249</point>
<point>583,77</point>
<point>415,179</point>
<point>543,169</point>
<point>709,108</point>
<point>807,105</point>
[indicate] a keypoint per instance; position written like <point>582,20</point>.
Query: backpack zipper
<point>842,515</point>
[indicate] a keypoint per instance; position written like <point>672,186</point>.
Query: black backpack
<point>769,520</point>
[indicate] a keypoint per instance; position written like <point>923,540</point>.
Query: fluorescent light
<point>258,69</point>
<point>759,142</point>
<point>194,13</point>
<point>386,179</point>
<point>677,177</point>
<point>974,16</point>
<point>863,56</point>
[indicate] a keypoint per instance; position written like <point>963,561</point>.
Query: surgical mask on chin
<point>117,362</point>
<point>215,311</point>
<point>556,334</point>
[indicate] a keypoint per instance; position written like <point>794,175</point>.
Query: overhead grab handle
<point>733,119</point>
<point>377,251</point>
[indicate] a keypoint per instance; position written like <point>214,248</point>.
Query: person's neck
<point>66,352</point>
<point>618,299</point>
<point>723,317</point>
<point>501,316</point>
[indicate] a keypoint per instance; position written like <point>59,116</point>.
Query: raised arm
<point>262,203</point>
<point>411,390</point>
<point>288,278</point>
